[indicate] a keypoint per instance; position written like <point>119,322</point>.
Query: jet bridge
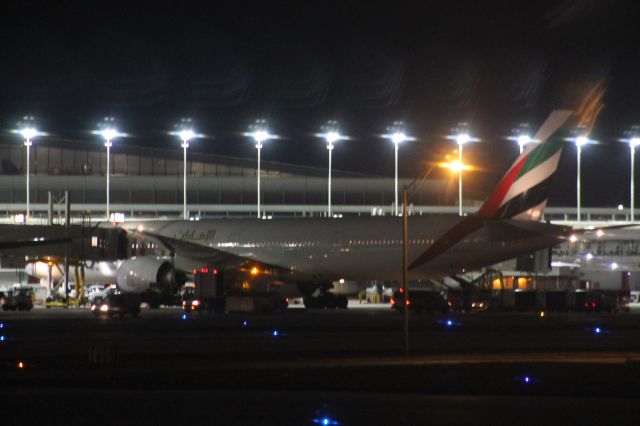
<point>22,244</point>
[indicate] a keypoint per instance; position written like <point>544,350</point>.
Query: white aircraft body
<point>303,254</point>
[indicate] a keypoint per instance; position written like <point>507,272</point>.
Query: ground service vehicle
<point>116,303</point>
<point>20,299</point>
<point>420,300</point>
<point>601,300</point>
<point>97,293</point>
<point>210,293</point>
<point>207,293</point>
<point>327,300</point>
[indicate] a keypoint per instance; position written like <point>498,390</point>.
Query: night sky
<point>301,63</point>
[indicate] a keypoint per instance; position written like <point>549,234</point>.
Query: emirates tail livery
<point>302,255</point>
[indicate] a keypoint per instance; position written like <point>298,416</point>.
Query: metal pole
<point>396,181</point>
<point>185,145</point>
<point>405,253</point>
<point>67,210</point>
<point>460,180</point>
<point>108,145</point>
<point>405,288</point>
<point>49,208</point>
<point>49,287</point>
<point>27,143</point>
<point>578,183</point>
<point>330,148</point>
<point>67,224</point>
<point>633,154</point>
<point>259,146</point>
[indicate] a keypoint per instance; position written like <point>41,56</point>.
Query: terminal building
<point>147,183</point>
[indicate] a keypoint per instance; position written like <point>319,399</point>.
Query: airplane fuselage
<point>355,248</point>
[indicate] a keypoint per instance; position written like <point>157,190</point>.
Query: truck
<point>209,292</point>
<point>20,298</point>
<point>421,300</point>
<point>206,293</point>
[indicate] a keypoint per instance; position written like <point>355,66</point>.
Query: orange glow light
<point>455,166</point>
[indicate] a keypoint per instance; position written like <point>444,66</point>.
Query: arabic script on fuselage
<point>193,235</point>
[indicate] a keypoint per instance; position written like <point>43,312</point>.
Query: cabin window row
<point>388,242</point>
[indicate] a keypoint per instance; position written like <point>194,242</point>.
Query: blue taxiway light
<point>184,316</point>
<point>325,421</point>
<point>275,333</point>
<point>1,325</point>
<point>597,330</point>
<point>449,323</point>
<point>245,323</point>
<point>527,379</point>
<point>2,338</point>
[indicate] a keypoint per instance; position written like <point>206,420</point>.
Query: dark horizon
<point>493,65</point>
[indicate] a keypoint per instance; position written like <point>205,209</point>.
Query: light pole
<point>28,133</point>
<point>405,268</point>
<point>397,135</point>
<point>633,142</point>
<point>331,138</point>
<point>580,142</point>
<point>185,133</point>
<point>397,139</point>
<point>521,136</point>
<point>185,136</point>
<point>461,139</point>
<point>522,141</point>
<point>407,192</point>
<point>259,135</point>
<point>331,135</point>
<point>108,133</point>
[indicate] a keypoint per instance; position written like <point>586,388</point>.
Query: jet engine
<point>140,274</point>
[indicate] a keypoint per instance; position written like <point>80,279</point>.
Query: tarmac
<point>477,361</point>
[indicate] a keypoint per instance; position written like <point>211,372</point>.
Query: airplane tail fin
<point>522,193</point>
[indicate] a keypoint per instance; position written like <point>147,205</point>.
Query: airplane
<point>303,256</point>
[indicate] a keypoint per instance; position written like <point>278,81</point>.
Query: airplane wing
<point>463,228</point>
<point>208,255</point>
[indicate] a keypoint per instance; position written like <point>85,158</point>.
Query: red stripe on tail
<point>491,206</point>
